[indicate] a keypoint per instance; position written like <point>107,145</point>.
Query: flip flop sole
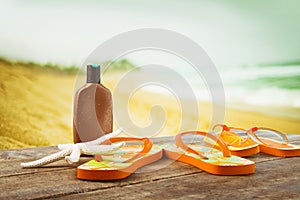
<point>93,170</point>
<point>277,149</point>
<point>247,167</point>
<point>244,152</point>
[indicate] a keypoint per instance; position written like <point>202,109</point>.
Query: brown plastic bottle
<point>92,115</point>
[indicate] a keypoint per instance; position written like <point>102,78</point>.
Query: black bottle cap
<point>93,73</point>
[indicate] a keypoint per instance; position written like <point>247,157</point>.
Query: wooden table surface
<point>275,178</point>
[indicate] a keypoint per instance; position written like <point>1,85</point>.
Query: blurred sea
<point>272,89</point>
<point>264,85</point>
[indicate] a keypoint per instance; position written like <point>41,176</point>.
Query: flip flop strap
<point>181,144</point>
<point>228,130</point>
<point>255,137</point>
<point>224,127</point>
<point>147,143</point>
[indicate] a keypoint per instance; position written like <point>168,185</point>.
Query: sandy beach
<point>36,109</point>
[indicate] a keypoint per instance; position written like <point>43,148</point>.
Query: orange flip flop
<point>215,159</point>
<point>238,141</point>
<point>271,146</point>
<point>122,163</point>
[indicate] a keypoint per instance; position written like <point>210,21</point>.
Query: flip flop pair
<point>213,156</point>
<point>215,159</point>
<point>242,142</point>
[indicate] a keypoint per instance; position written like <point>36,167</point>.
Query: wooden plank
<point>12,167</point>
<point>276,179</point>
<point>59,179</point>
<point>12,158</point>
<point>61,182</point>
<point>27,153</point>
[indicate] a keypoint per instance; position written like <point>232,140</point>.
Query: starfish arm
<point>65,146</point>
<point>72,152</point>
<point>105,137</point>
<point>75,154</point>
<point>101,149</point>
<point>48,159</point>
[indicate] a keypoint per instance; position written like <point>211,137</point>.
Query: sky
<point>231,32</point>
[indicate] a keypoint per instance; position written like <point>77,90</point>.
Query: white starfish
<point>71,152</point>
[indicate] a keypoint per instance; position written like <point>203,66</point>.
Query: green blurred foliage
<point>121,65</point>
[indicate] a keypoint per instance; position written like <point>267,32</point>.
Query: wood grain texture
<point>271,180</point>
<point>275,177</point>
